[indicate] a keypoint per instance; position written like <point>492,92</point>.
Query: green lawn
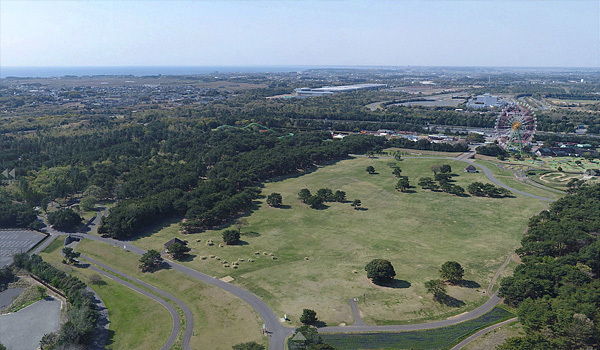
<point>136,322</point>
<point>438,338</point>
<point>321,254</point>
<point>508,178</point>
<point>220,319</point>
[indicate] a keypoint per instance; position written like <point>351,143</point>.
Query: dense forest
<point>557,288</point>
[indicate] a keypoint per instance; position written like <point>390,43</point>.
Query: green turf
<point>136,322</point>
<point>416,231</point>
<point>439,338</point>
<point>220,319</point>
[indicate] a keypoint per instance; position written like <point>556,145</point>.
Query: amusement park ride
<point>515,127</point>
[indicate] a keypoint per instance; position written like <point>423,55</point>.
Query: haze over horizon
<point>300,33</point>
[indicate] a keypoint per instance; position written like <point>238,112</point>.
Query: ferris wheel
<point>515,127</point>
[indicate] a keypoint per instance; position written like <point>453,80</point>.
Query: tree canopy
<point>556,289</point>
<point>380,271</point>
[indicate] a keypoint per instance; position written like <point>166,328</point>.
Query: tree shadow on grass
<point>451,301</point>
<point>468,284</point>
<point>395,283</point>
<point>250,234</point>
<point>284,206</point>
<point>320,324</point>
<point>110,337</point>
<point>187,257</point>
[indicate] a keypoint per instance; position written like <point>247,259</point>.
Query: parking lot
<point>14,241</point>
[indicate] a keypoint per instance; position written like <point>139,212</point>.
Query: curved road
<point>278,332</point>
<point>169,307</point>
<point>187,335</point>
<point>482,332</point>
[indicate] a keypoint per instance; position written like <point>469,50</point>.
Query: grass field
<point>495,337</point>
<point>220,319</point>
<point>439,338</point>
<point>508,178</point>
<point>321,254</point>
<point>136,322</point>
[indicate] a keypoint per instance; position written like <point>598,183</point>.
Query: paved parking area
<point>24,329</point>
<point>14,241</point>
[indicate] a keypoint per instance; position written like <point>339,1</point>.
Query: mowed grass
<point>508,178</point>
<point>220,319</point>
<point>438,338</point>
<point>136,321</point>
<point>321,254</point>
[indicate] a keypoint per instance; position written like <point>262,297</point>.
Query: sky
<point>322,33</point>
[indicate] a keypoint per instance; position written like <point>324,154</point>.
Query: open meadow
<point>136,322</point>
<point>307,258</point>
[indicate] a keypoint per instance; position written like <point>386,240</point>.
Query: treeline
<point>556,289</point>
<point>228,188</point>
<point>13,215</point>
<point>425,145</point>
<point>82,314</point>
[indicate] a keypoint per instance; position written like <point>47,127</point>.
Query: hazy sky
<point>247,33</point>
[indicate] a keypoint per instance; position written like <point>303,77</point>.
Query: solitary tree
<point>403,184</point>
<point>274,199</point>
<point>231,237</point>
<point>304,194</point>
<point>436,168</point>
<point>70,254</point>
<point>151,261</point>
<point>356,204</point>
<point>380,271</point>
<point>308,316</point>
<point>398,156</point>
<point>339,196</point>
<point>326,194</point>
<point>446,169</point>
<point>397,172</point>
<point>452,272</point>
<point>178,251</point>
<point>370,169</point>
<point>315,202</point>
<point>437,288</point>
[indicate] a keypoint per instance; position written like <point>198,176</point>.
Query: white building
<point>485,100</point>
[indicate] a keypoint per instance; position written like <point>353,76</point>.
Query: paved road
<point>357,320</point>
<point>169,307</point>
<point>24,329</point>
<point>482,332</point>
<point>187,335</point>
<point>490,304</point>
<point>277,331</point>
<point>102,326</point>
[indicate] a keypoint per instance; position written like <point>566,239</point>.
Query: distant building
<point>485,100</point>
<point>173,241</point>
<point>471,169</point>
<point>330,90</point>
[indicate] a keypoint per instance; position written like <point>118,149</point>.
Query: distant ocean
<point>48,72</point>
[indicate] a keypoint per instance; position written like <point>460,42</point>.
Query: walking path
<point>189,327</point>
<point>101,328</point>
<point>277,332</point>
<point>358,322</point>
<point>482,332</point>
<point>169,307</point>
